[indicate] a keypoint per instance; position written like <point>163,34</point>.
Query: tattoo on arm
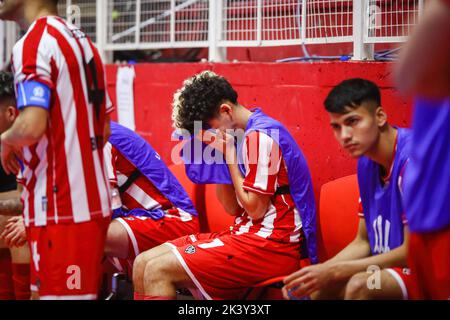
<point>11,207</point>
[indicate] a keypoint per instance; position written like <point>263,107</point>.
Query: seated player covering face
<point>266,237</point>
<point>153,207</point>
<point>360,125</point>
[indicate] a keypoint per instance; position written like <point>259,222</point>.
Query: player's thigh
<point>20,254</point>
<point>152,253</point>
<point>3,220</point>
<point>379,285</point>
<point>336,291</point>
<point>391,286</point>
<point>168,266</point>
<point>117,240</point>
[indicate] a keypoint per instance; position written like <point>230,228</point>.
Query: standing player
<point>360,125</point>
<point>154,206</point>
<point>267,196</point>
<point>424,72</point>
<point>59,134</point>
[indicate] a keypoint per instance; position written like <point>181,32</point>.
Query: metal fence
<point>218,24</point>
<point>391,21</point>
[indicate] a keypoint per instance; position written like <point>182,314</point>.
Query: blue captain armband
<point>33,93</point>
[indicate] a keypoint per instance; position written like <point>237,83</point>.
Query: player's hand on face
<point>219,140</point>
<point>14,233</point>
<point>10,156</point>
<point>306,280</point>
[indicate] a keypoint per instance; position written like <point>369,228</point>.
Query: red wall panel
<point>293,93</point>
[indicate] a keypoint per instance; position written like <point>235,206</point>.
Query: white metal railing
<point>8,36</point>
<point>150,24</point>
<point>289,22</point>
<point>218,24</point>
<point>391,21</point>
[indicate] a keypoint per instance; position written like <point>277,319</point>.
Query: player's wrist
<point>5,137</point>
<point>340,271</point>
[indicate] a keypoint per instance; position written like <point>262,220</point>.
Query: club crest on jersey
<point>190,249</point>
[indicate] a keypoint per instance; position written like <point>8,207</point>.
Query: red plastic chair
<point>337,222</point>
<point>195,191</point>
<point>217,219</point>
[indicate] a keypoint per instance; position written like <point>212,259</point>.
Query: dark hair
<point>199,99</point>
<point>351,94</point>
<point>6,85</point>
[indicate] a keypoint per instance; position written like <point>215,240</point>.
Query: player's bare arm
<point>11,207</point>
<point>27,130</point>
<point>359,248</point>
<point>313,278</point>
<point>10,204</point>
<point>254,204</point>
<point>227,197</point>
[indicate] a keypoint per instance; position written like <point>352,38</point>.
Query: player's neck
<point>242,116</point>
<point>33,10</point>
<point>384,151</point>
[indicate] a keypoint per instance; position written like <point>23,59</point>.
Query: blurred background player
<point>360,125</point>
<point>152,205</point>
<point>14,251</point>
<point>266,238</point>
<point>424,71</point>
<point>59,135</point>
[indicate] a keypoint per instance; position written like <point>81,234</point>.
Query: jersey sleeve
<point>262,159</point>
<point>109,105</point>
<point>109,155</point>
<point>360,209</point>
<point>32,67</point>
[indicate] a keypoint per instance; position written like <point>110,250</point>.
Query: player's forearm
<point>11,207</point>
<point>357,249</point>
<point>251,205</point>
<point>23,132</point>
<point>393,258</point>
<point>227,197</point>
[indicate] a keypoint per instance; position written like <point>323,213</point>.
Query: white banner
<point>125,96</point>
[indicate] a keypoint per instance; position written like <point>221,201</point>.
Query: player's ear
<point>381,116</point>
<point>225,109</point>
<point>11,113</point>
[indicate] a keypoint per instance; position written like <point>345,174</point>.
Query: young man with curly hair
<point>270,194</point>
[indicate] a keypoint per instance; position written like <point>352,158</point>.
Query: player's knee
<point>116,244</point>
<point>357,288</point>
<point>138,267</point>
<point>157,269</point>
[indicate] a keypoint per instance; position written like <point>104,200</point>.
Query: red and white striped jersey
<point>141,193</point>
<point>64,176</point>
<point>266,171</point>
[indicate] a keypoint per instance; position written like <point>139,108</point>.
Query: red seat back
<point>217,218</point>
<point>195,191</point>
<point>338,216</point>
